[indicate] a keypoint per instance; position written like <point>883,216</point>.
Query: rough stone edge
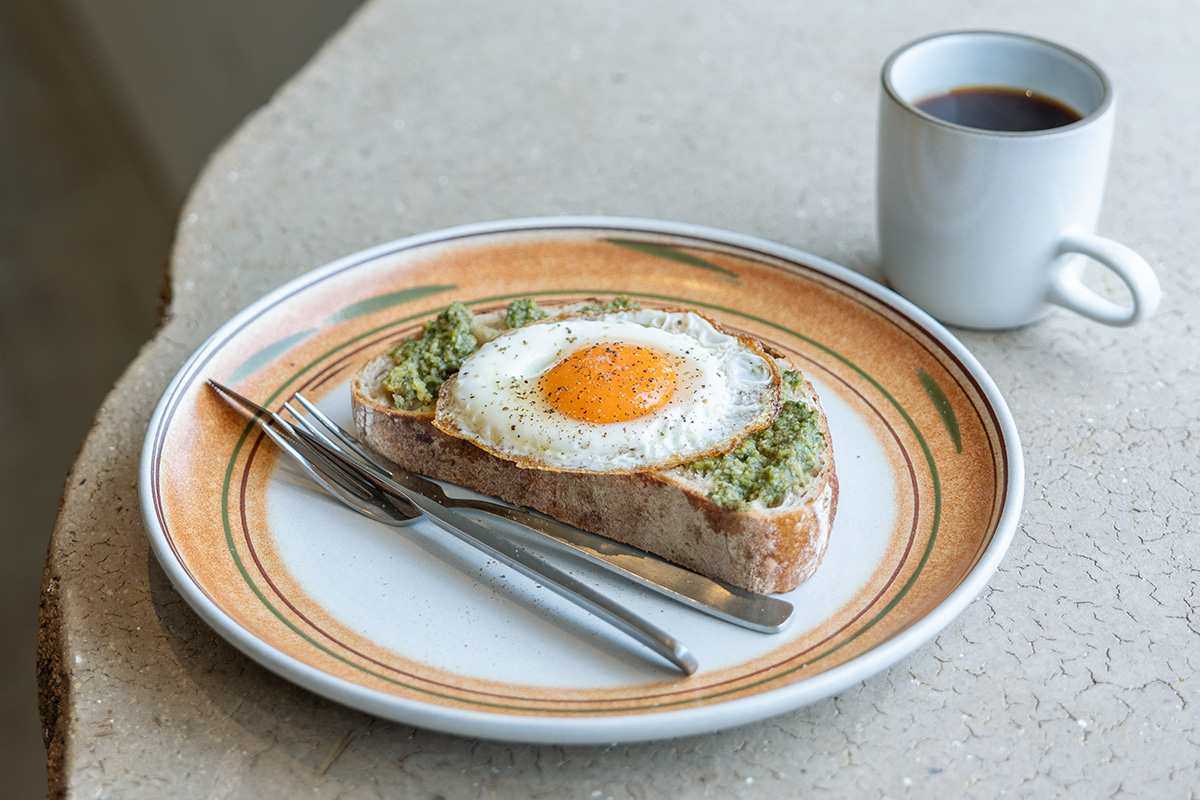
<point>53,687</point>
<point>53,682</point>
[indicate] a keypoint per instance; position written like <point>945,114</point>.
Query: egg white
<point>726,388</point>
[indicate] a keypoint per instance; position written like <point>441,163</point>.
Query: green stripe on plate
<point>674,254</point>
<point>941,404</point>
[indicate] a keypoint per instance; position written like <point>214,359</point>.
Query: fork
<point>392,504</point>
<point>751,610</point>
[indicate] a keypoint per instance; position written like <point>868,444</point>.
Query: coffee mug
<point>993,149</point>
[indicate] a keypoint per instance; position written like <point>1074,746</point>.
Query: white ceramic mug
<point>991,229</point>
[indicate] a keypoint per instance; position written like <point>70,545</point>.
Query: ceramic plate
<point>410,626</point>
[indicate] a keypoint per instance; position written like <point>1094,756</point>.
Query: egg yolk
<point>610,382</point>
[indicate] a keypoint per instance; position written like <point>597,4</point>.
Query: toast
<point>668,512</point>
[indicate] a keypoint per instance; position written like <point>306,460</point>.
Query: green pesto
<point>523,311</point>
<point>425,362</point>
<point>769,463</point>
<point>624,301</point>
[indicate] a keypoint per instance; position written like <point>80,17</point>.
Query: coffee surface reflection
<point>994,108</point>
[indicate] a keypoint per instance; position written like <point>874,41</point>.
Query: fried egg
<point>623,391</point>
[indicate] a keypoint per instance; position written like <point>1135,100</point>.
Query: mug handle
<point>1068,290</point>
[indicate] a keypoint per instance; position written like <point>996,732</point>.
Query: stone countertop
<point>1073,674</point>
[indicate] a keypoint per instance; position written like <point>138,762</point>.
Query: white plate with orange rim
<point>412,627</point>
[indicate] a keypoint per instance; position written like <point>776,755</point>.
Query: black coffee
<point>997,109</point>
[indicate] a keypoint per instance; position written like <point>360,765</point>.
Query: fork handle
<point>579,593</point>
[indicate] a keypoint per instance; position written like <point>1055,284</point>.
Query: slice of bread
<point>665,512</point>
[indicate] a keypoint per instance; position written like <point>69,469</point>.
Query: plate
<point>414,628</point>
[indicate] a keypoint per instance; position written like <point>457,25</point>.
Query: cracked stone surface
<point>1074,674</point>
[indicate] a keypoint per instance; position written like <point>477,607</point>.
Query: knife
<point>759,612</point>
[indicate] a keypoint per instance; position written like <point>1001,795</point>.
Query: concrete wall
<point>186,73</point>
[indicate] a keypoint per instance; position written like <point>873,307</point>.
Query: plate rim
<point>626,727</point>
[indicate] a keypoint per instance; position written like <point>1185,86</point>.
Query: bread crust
<point>665,512</point>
